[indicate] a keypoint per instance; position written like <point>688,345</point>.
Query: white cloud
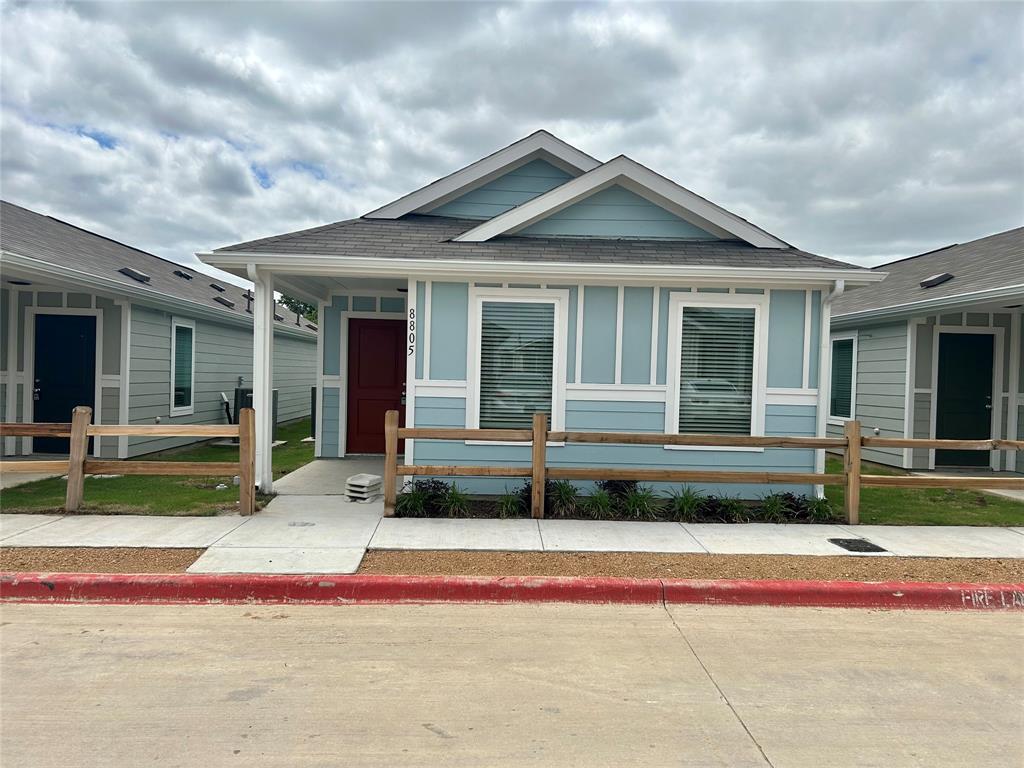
<point>859,131</point>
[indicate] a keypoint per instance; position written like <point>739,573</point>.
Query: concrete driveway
<point>513,685</point>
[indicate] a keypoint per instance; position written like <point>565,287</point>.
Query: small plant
<point>617,489</point>
<point>774,509</point>
<point>640,503</point>
<point>455,502</point>
<point>509,505</point>
<point>421,498</point>
<point>525,493</point>
<point>599,505</point>
<point>564,499</point>
<point>685,504</point>
<point>821,510</point>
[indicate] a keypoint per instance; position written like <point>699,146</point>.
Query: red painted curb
<point>340,589</point>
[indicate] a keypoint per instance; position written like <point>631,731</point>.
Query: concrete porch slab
<point>770,539</point>
<point>615,536</point>
<point>942,540</point>
<point>11,525</point>
<point>278,560</point>
<point>442,533</point>
<point>127,531</point>
<point>327,476</point>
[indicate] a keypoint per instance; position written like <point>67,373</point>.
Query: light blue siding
<point>600,306</point>
<point>329,439</point>
<point>662,334</point>
<point>421,313</point>
<point>364,303</point>
<point>392,304</point>
<point>815,350</point>
<point>449,308</point>
<point>440,412</point>
<point>505,192</point>
<point>786,339</point>
<point>330,327</point>
<point>616,212</point>
<point>637,319</point>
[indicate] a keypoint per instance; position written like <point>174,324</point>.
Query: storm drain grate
<point>857,545</point>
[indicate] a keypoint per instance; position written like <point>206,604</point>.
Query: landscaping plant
<point>564,498</point>
<point>599,505</point>
<point>455,502</point>
<point>509,505</point>
<point>685,505</point>
<point>640,503</point>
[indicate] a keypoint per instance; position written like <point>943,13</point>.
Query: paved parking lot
<point>513,685</point>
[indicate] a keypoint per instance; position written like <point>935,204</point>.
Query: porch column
<point>263,373</point>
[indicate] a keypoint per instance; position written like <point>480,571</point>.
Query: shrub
<point>640,503</point>
<point>509,505</point>
<point>774,509</point>
<point>525,493</point>
<point>564,499</point>
<point>685,505</point>
<point>455,502</point>
<point>617,489</point>
<point>421,498</point>
<point>599,505</point>
<point>821,510</point>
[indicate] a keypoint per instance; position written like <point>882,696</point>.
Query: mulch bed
<point>693,566</point>
<point>97,559</point>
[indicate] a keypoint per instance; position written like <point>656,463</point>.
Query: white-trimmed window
<point>517,357</point>
<point>843,380</point>
<point>183,367</point>
<point>717,365</point>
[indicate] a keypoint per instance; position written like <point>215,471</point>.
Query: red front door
<point>376,381</point>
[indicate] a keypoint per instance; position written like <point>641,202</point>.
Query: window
<point>183,367</point>
<point>521,360</point>
<point>843,388</point>
<point>717,376</point>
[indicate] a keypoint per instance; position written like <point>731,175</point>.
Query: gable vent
<point>218,288</point>
<point>182,274</point>
<point>225,301</point>
<point>934,280</point>
<point>134,274</point>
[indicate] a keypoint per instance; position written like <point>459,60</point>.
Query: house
<point>936,352</point>
<point>86,320</point>
<point>541,279</point>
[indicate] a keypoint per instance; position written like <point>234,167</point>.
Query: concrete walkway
<point>328,534</point>
<point>510,685</point>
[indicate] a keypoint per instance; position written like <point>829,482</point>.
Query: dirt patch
<point>687,566</point>
<point>97,559</point>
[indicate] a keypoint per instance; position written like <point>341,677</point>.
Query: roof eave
<point>928,306</point>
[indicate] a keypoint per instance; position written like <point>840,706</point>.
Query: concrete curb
<point>343,589</point>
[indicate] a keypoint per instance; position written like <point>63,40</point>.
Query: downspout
<point>825,373</point>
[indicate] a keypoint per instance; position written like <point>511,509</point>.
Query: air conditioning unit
<point>243,399</point>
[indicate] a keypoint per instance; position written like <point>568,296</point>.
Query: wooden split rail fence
<point>78,464</point>
<point>538,437</point>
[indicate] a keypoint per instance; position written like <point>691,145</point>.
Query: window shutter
<point>182,366</point>
<point>841,399</point>
<point>716,370</point>
<point>517,342</point>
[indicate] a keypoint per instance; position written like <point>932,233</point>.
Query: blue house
<point>541,279</point>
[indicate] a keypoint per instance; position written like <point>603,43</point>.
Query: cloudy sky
<point>857,131</point>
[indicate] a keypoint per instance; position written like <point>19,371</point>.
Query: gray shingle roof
<point>996,261</point>
<point>56,242</point>
<point>429,237</point>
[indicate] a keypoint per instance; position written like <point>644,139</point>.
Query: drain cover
<point>300,525</point>
<point>857,545</point>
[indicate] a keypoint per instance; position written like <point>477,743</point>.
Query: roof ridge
<point>951,245</point>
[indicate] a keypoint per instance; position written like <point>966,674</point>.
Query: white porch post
<point>263,373</point>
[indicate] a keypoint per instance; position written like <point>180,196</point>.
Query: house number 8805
<point>412,331</point>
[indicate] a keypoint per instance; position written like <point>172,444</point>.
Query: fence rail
<point>78,465</point>
<point>538,437</point>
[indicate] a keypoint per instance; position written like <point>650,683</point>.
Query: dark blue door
<point>65,372</point>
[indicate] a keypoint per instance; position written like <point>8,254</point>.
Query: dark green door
<point>964,406</point>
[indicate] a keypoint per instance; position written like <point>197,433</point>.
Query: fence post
<point>851,467</point>
<point>81,418</point>
<point>247,461</point>
<point>540,444</point>
<point>390,461</point>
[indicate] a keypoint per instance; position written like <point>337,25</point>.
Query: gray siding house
<point>936,351</point>
<point>540,279</point>
<point>86,320</point>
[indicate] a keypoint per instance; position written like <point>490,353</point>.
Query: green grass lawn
<point>162,494</point>
<point>924,506</point>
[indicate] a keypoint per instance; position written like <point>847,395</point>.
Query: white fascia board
<point>931,306</point>
<point>520,271</point>
<point>639,179</point>
<point>84,280</point>
<point>455,184</point>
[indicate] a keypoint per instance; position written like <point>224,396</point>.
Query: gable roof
<point>637,178</point>
<point>986,269</point>
<point>49,247</point>
<point>539,144</point>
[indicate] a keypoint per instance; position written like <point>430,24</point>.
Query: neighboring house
<point>541,279</point>
<point>86,320</point>
<point>936,351</point>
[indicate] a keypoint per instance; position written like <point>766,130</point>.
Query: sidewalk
<point>326,534</point>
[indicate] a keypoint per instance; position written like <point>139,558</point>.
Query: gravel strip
<point>97,559</point>
<point>686,566</point>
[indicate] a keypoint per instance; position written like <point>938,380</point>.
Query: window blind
<point>716,370</point>
<point>517,341</point>
<point>182,366</point>
<point>841,395</point>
